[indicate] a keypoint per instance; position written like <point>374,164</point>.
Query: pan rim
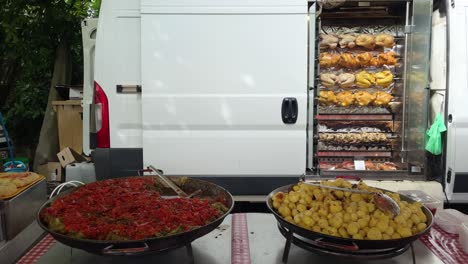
<point>120,242</point>
<point>348,240</point>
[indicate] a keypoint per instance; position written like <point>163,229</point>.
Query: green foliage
<point>30,31</point>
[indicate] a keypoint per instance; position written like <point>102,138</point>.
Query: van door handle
<point>289,110</point>
<point>294,110</point>
<point>128,89</point>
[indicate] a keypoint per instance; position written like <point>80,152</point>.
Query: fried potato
<point>347,215</point>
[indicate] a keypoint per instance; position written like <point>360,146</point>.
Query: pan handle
<point>142,172</point>
<point>110,250</point>
<point>168,182</point>
<point>320,242</point>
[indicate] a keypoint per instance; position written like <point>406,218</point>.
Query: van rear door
<point>89,31</point>
<point>221,82</point>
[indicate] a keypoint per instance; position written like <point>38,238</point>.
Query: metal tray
<point>21,189</point>
<point>20,211</point>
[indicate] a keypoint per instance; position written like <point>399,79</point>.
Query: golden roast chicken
<point>365,40</point>
<point>384,40</point>
<point>366,59</point>
<point>365,79</point>
<point>328,60</point>
<point>347,60</point>
<point>327,98</point>
<point>382,98</point>
<point>364,98</point>
<point>383,78</point>
<point>387,58</point>
<point>344,99</point>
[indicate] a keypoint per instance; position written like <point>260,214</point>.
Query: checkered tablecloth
<point>445,246</point>
<point>38,250</point>
<point>240,249</point>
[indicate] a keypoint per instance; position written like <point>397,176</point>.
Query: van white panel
<point>438,69</point>
<point>117,61</point>
<point>223,6</point>
<point>457,130</point>
<point>213,86</point>
<point>310,128</point>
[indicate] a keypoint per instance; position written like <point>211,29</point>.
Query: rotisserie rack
<point>360,91</point>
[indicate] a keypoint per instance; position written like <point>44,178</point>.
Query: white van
<point>221,89</point>
<point>201,94</point>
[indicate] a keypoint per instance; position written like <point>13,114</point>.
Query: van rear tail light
<point>102,117</point>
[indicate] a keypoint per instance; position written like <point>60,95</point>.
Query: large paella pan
<point>134,215</point>
<point>329,218</point>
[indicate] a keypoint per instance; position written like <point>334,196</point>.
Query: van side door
<point>224,86</point>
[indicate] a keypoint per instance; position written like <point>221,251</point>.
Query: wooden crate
<point>70,124</point>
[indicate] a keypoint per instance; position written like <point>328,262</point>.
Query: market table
<point>242,239</point>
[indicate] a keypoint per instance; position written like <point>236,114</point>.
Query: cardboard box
<point>69,156</point>
<point>50,167</point>
<point>70,124</point>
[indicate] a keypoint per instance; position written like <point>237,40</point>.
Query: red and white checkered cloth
<point>240,249</point>
<point>445,246</point>
<point>37,251</point>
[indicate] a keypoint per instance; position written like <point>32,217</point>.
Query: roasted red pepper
<point>126,209</point>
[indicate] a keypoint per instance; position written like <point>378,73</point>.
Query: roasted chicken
<point>365,40</point>
<point>349,165</point>
<point>369,165</point>
<point>344,99</point>
<point>347,60</point>
<point>328,79</point>
<point>345,80</point>
<point>383,78</point>
<point>382,98</point>
<point>355,126</point>
<point>364,98</point>
<point>328,41</point>
<point>328,60</point>
<point>386,166</point>
<point>365,79</point>
<point>387,58</point>
<point>385,40</point>
<point>327,98</point>
<point>366,59</point>
<point>347,41</point>
<point>353,138</point>
<point>346,165</point>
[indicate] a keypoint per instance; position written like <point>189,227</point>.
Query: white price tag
<point>359,165</point>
